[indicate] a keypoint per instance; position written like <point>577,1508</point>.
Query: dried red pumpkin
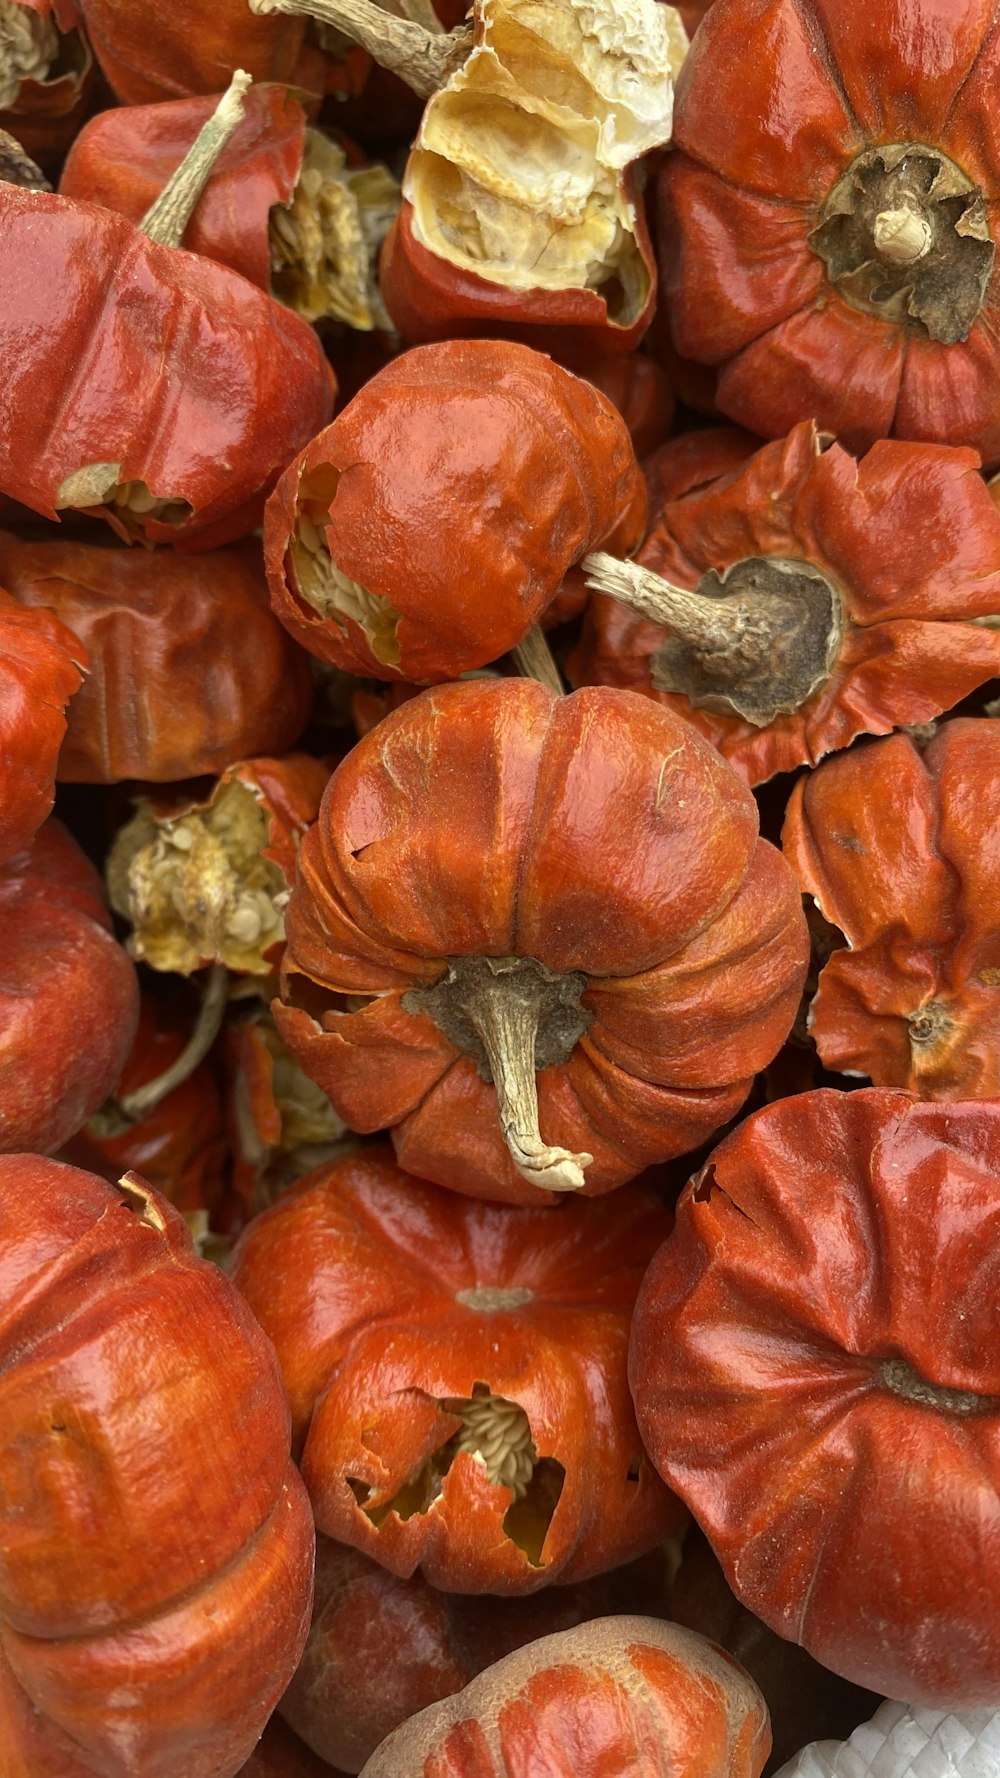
<point>134,1386</point>
<point>151,387</point>
<point>41,668</point>
<point>503,881</point>
<point>281,1124</point>
<point>827,221</point>
<point>69,1000</point>
<point>520,215</point>
<point>897,845</point>
<point>618,1695</point>
<point>428,528</point>
<point>219,677</point>
<point>346,1696</point>
<point>46,75</point>
<point>203,879</point>
<point>192,46</point>
<point>641,392</point>
<point>815,1370</point>
<point>806,599</point>
<point>284,206</point>
<point>178,1145</point>
<point>456,1374</point>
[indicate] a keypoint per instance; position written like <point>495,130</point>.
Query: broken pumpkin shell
<point>805,598</point>
<point>205,880</point>
<point>426,530</point>
<point>539,938</point>
<point>47,75</point>
<point>173,424</point>
<point>910,878</point>
<point>281,1124</point>
<point>619,1694</point>
<point>456,1374</point>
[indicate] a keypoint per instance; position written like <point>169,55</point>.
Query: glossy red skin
<point>492,818</point>
<point>619,1695</point>
<point>760,139</point>
<point>133,1382</point>
<point>179,1146</point>
<point>642,394</point>
<point>354,1276</point>
<point>192,46</point>
<point>908,536</point>
<point>117,350</point>
<point>827,1235</point>
<point>41,669</point>
<point>220,678</point>
<point>124,158</point>
<point>280,1754</point>
<point>431,299</point>
<point>472,475</point>
<point>911,880</point>
<point>58,957</point>
<point>346,1697</point>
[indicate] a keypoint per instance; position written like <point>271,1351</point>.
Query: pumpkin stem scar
<point>29,44</point>
<point>758,640</point>
<point>206,1029</point>
<point>899,1377</point>
<point>166,220</point>
<point>534,659</point>
<point>513,1016</point>
<point>421,57</point>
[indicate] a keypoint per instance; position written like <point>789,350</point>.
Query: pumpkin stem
<point>902,236</point>
<point>534,659</point>
<point>166,220</point>
<point>757,641</point>
<point>505,1011</point>
<point>425,59</point>
<point>143,1099</point>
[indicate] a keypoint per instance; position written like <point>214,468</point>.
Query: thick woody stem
<point>425,59</point>
<point>507,1024</point>
<point>166,220</point>
<point>902,236</point>
<point>687,614</point>
<point>534,659</point>
<point>136,1104</point>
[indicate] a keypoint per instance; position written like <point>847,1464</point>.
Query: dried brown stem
<point>166,220</point>
<point>534,659</point>
<point>143,1099</point>
<point>423,58</point>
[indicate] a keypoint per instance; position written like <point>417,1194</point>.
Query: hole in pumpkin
<point>29,44</point>
<point>496,1433</point>
<point>326,588</point>
<point>138,1200</point>
<point>634,1470</point>
<point>325,242</point>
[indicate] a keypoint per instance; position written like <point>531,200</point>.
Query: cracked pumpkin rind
<point>815,1370</point>
<point>618,1694</point>
<point>595,834</point>
<point>147,363</point>
<point>762,141</point>
<point>909,540</point>
<point>458,486</point>
<point>132,1375</point>
<point>911,880</point>
<point>357,1277</point>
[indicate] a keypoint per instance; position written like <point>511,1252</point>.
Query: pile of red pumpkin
<point>499,889</point>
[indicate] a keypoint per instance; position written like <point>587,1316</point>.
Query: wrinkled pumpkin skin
<point>595,834</point>
<point>151,1612</point>
<point>911,880</point>
<point>815,1369</point>
<point>394,1306</point>
<point>58,956</point>
<point>620,1694</point>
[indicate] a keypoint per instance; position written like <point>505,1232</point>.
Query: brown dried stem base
<point>514,1016</point>
<point>534,659</point>
<point>757,641</point>
<point>423,58</point>
<point>136,1104</point>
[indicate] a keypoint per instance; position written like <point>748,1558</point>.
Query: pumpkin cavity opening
<point>326,588</point>
<point>517,170</point>
<point>196,887</point>
<point>325,242</point>
<point>513,1017</point>
<point>758,639</point>
<point>904,235</point>
<point>29,44</point>
<point>98,484</point>
<point>496,1432</point>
